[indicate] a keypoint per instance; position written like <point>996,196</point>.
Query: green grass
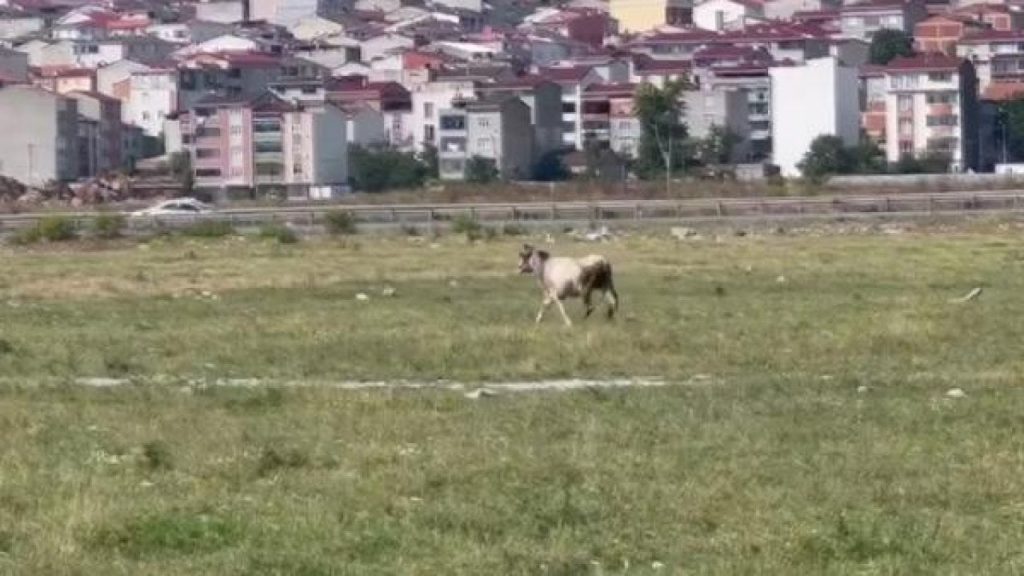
<point>806,431</point>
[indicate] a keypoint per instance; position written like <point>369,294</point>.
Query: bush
<point>378,169</point>
<point>156,455</point>
<point>57,229</point>
<point>480,170</point>
<point>50,229</point>
<point>467,225</point>
<point>209,229</point>
<point>511,229</point>
<point>340,223</point>
<point>283,234</point>
<point>108,226</point>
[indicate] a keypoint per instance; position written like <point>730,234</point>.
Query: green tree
<point>1011,117</point>
<point>428,157</point>
<point>660,112</point>
<point>868,157</point>
<point>480,170</point>
<point>550,168</point>
<point>716,147</point>
<point>887,44</point>
<point>827,155</point>
<point>180,165</point>
<point>378,169</point>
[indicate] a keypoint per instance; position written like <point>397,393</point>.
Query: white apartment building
<point>931,109</point>
<point>816,99</point>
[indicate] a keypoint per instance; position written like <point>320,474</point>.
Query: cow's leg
<point>543,306</point>
<point>561,309</point>
<point>588,305</point>
<point>612,298</point>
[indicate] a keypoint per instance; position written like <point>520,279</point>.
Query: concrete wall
<point>518,136</point>
<point>38,135</point>
<point>797,119</point>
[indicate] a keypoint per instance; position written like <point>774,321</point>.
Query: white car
<point>175,207</point>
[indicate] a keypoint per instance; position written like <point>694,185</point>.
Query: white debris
<point>956,393</point>
<point>598,235</point>
<point>683,233</point>
<point>387,292</point>
<point>480,393</point>
<point>862,389</point>
<point>969,296</point>
<point>453,283</point>
<point>781,279</point>
<point>657,565</point>
<point>362,297</point>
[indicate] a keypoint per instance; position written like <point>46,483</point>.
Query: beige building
<point>38,135</point>
<point>642,15</point>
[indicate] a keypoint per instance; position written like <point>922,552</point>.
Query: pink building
<point>265,143</point>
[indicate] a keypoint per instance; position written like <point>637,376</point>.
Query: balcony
<point>941,109</point>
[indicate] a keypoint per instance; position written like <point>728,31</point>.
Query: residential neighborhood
<point>262,96</point>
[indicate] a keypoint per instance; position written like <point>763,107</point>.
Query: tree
<point>868,157</point>
<point>480,170</point>
<point>550,168</point>
<point>716,147</point>
<point>887,44</point>
<point>428,157</point>
<point>378,169</point>
<point>1011,116</point>
<point>180,165</point>
<point>827,155</point>
<point>660,112</point>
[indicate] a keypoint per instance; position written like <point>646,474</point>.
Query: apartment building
<point>797,120</point>
<point>38,135</point>
<point>100,138</point>
<point>267,144</point>
<point>931,109</point>
<point>863,19</point>
<point>496,128</point>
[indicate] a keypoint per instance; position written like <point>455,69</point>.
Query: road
<point>427,217</point>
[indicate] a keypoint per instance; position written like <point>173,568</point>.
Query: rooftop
<point>924,63</point>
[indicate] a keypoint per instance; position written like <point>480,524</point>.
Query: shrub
<point>340,222</point>
<point>273,459</point>
<point>157,456</point>
<point>57,229</point>
<point>467,225</point>
<point>108,226</point>
<point>26,236</point>
<point>209,229</point>
<point>511,229</point>
<point>283,234</point>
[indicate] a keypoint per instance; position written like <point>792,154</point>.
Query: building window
<point>483,122</point>
<point>941,97</point>
<point>453,123</point>
<point>940,76</point>
<point>906,103</point>
<point>483,145</point>
<point>906,147</point>
<point>428,110</point>
<point>903,81</point>
<point>208,172</point>
<point>207,153</point>
<point>942,120</point>
<point>906,127</point>
<point>428,133</point>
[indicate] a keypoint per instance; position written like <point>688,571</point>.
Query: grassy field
<point>806,428</point>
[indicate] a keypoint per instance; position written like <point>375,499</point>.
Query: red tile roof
<point>986,36</point>
<point>924,62</point>
<point>566,74</point>
<point>873,5</point>
<point>1003,91</point>
<point>625,89</point>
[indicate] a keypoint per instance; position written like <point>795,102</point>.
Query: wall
<point>225,12</point>
<point>636,16</point>
<point>517,135</point>
<point>37,143</point>
<point>797,120</point>
<point>705,15</point>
